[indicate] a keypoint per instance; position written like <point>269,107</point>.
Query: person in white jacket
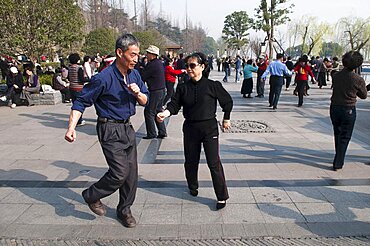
<point>87,67</point>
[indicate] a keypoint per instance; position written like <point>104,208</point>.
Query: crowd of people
<point>283,71</point>
<point>116,84</point>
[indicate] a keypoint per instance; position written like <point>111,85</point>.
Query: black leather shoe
<point>148,137</point>
<point>220,204</point>
<point>127,220</point>
<point>161,136</point>
<point>193,192</point>
<point>337,168</point>
<point>96,207</point>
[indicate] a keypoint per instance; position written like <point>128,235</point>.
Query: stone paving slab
<point>282,189</point>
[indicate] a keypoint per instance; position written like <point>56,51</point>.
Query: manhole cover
<point>245,126</point>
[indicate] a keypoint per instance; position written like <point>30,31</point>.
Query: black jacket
<point>153,75</point>
<point>199,100</point>
<point>17,80</point>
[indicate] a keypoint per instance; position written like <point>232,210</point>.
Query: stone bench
<point>43,98</point>
<point>47,98</point>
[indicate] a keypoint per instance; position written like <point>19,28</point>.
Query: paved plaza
<point>281,185</point>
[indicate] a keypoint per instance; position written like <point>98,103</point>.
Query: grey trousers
<point>119,147</point>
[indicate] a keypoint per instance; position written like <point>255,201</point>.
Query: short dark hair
<point>304,58</point>
<point>352,59</point>
<point>28,68</point>
<point>74,58</point>
<point>279,55</point>
<point>125,40</point>
<point>86,58</point>
<point>167,60</point>
<point>250,62</point>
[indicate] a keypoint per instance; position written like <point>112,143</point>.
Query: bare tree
<point>271,16</point>
<point>356,31</point>
<point>255,44</point>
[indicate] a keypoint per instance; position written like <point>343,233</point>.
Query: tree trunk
<point>304,39</point>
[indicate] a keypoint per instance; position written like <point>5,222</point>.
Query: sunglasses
<point>191,65</point>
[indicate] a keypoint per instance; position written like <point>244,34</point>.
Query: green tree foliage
<point>235,31</point>
<point>270,16</point>
<point>101,40</point>
<point>35,27</point>
<point>209,47</point>
<point>150,37</point>
<point>331,49</point>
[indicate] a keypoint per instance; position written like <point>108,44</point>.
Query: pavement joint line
<point>331,182</point>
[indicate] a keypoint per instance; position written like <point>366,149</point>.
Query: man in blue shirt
<point>277,70</point>
<point>238,66</point>
<point>114,92</point>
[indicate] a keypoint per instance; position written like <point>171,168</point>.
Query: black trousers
<point>150,112</point>
<point>119,147</point>
<point>276,83</point>
<point>288,80</point>
<point>343,119</point>
<point>301,87</point>
<point>206,133</point>
<point>169,91</point>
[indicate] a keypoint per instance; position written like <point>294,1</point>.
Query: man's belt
<point>105,120</point>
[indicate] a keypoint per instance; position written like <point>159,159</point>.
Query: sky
<point>210,14</point>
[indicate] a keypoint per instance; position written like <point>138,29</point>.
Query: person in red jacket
<point>302,69</point>
<point>170,77</point>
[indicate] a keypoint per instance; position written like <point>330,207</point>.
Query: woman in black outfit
<point>198,97</point>
<point>347,86</point>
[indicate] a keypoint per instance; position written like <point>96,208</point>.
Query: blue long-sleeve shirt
<point>276,68</point>
<point>110,94</point>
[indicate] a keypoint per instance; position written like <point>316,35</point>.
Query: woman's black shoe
<point>193,192</point>
<point>220,204</point>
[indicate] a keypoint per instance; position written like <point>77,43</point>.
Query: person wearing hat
<point>14,81</point>
<point>153,75</point>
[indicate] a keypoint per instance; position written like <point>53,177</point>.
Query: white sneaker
<point>83,122</point>
<point>13,105</point>
<point>3,98</point>
<point>287,89</point>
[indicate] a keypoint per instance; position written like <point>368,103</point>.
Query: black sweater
<point>199,100</point>
<point>153,75</point>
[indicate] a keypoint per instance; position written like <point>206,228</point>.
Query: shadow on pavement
<point>58,198</point>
